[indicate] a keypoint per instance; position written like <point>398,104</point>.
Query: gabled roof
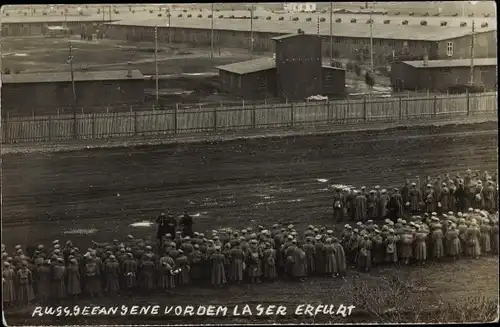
<point>452,63</point>
<point>249,66</point>
<point>79,76</point>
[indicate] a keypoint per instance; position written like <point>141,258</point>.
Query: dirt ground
<point>34,54</point>
<point>241,183</point>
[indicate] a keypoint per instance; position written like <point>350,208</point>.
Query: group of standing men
<point>183,257</point>
<point>439,194</point>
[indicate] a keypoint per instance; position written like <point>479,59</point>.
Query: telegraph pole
<point>331,32</point>
<point>156,62</point>
<point>110,13</point>
<point>472,55</point>
<point>371,40</point>
<point>169,28</point>
<point>212,33</point>
<point>251,31</point>
<point>70,61</point>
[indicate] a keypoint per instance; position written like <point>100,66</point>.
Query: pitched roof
<point>452,63</point>
<point>249,66</point>
<point>51,18</point>
<point>394,30</point>
<point>79,76</point>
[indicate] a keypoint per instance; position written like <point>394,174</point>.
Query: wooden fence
<point>176,121</point>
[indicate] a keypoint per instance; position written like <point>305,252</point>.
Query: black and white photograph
<point>249,163</point>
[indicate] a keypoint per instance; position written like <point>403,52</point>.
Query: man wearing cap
<point>25,292</point>
<point>349,203</point>
<point>73,279</point>
<point>391,250</point>
<point>43,283</point>
<point>129,270</point>
<point>372,205</point>
<point>9,277</point>
<point>161,221</point>
<point>58,285</point>
<point>147,271</point>
<point>383,201</point>
<point>319,256</point>
<point>112,279</point>
<point>331,268</point>
<point>182,264</point>
<point>338,208</point>
<point>299,265</point>
<point>361,210</point>
<point>269,263</point>
<point>430,199</point>
<point>217,273</point>
<point>461,198</point>
<point>187,224</point>
<point>414,198</point>
<point>237,264</point>
<point>488,194</point>
<point>378,252</point>
<point>309,250</point>
<point>171,223</point>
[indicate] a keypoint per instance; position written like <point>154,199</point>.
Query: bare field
<point>238,184</point>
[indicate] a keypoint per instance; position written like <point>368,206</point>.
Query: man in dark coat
<point>161,221</point>
<point>461,198</point>
<point>394,206</point>
<point>171,224</point>
<point>187,225</point>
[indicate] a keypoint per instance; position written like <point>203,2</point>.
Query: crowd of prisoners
<point>405,234</point>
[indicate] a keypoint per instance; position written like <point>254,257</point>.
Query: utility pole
<point>371,41</point>
<point>331,32</point>
<point>169,28</point>
<point>103,14</point>
<point>110,13</point>
<point>156,63</point>
<point>472,55</point>
<point>212,33</point>
<point>251,31</point>
<point>70,61</point>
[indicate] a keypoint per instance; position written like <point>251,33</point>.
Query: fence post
<point>135,123</point>
<point>468,102</point>
<point>254,119</point>
<point>50,128</point>
<point>292,115</point>
<point>6,128</point>
<point>215,116</point>
<point>93,126</point>
<point>328,118</point>
<point>364,109</point>
<point>400,108</point>
<point>434,106</point>
<point>176,109</point>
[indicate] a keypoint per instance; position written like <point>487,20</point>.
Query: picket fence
<point>177,121</point>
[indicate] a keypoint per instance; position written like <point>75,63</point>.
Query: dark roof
<point>249,66</point>
<point>79,76</point>
<point>452,63</point>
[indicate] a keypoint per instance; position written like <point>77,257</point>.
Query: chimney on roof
<point>129,69</point>
<point>426,60</point>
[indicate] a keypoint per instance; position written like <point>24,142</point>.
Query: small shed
<point>46,93</point>
<point>333,81</point>
<point>252,79</point>
<point>441,75</point>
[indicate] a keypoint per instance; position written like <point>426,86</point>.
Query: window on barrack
<point>449,49</point>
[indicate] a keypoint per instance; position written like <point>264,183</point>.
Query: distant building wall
<point>46,98</point>
<point>36,29</point>
<point>254,86</point>
<point>404,76</point>
<point>343,47</point>
<point>299,7</point>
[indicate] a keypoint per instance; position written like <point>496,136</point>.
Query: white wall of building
<point>300,6</point>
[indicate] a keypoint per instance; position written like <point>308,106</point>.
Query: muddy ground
<point>239,183</point>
